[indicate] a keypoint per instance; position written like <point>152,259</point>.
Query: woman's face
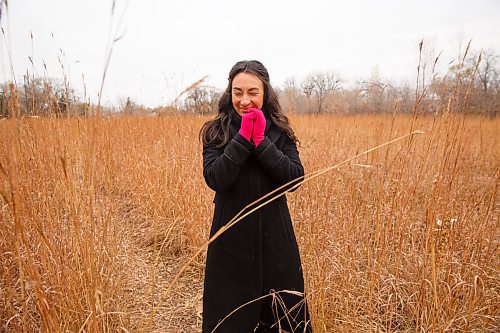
<point>247,91</point>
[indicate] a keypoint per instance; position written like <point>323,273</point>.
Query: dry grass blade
<point>189,88</point>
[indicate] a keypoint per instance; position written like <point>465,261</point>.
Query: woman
<point>249,150</point>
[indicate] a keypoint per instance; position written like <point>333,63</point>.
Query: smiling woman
<point>247,92</point>
<point>253,276</point>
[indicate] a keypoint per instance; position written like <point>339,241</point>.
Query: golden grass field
<point>98,215</point>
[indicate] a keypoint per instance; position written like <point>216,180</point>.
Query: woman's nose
<point>245,100</point>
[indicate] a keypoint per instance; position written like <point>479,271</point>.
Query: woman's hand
<point>258,127</point>
<point>247,124</point>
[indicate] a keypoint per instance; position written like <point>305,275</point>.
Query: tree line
<point>475,79</point>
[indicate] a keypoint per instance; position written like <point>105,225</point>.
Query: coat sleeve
<point>282,165</point>
<point>221,166</point>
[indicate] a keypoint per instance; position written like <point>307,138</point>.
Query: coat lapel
<point>273,133</point>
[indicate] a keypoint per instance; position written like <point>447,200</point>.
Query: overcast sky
<point>167,45</point>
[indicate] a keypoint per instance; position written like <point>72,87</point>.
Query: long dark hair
<point>216,131</point>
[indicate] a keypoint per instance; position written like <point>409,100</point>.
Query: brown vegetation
<point>97,215</point>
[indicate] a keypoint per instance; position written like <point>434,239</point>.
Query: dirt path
<point>180,310</point>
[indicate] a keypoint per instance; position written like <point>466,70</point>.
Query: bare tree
<point>321,85</point>
<point>202,100</point>
<point>374,91</point>
<point>487,80</point>
<point>42,97</point>
<point>474,81</point>
<point>488,70</point>
<point>308,89</point>
<point>5,96</point>
<point>290,95</point>
<point>127,106</point>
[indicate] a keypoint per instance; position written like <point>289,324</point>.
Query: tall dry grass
<point>97,215</point>
<point>410,233</point>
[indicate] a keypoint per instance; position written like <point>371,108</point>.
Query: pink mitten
<point>246,128</point>
<point>258,127</point>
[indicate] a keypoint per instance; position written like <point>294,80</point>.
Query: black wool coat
<point>259,254</point>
